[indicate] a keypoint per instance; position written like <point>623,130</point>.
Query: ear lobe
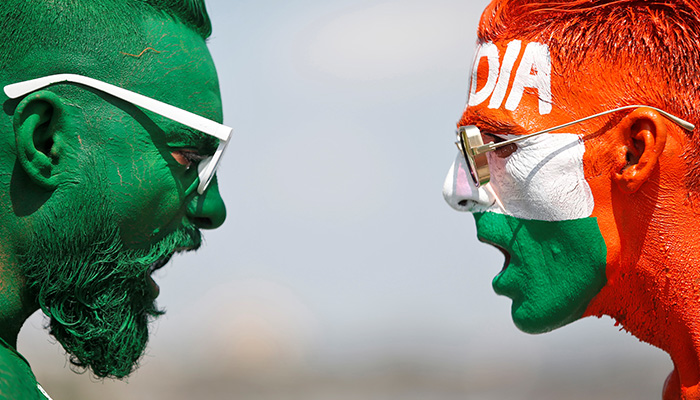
<point>35,126</point>
<point>644,134</point>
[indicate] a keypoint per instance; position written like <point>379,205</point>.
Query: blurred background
<point>341,273</point>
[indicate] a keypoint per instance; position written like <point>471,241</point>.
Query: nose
<point>460,191</point>
<point>207,211</point>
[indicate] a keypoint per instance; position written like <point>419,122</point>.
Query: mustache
<point>182,240</point>
<point>89,284</point>
<point>186,238</point>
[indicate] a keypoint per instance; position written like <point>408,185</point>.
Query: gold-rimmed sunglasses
<point>471,144</point>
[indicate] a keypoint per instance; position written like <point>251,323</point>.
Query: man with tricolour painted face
<point>601,215</point>
<point>111,135</point>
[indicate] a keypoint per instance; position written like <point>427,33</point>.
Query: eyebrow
<point>206,143</point>
<point>490,125</point>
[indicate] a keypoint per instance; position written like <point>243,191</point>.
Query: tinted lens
<point>463,142</point>
<point>470,138</point>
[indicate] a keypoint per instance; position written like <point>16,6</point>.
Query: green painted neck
<point>15,303</point>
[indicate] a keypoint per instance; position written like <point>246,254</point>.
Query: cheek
<point>598,166</point>
<point>543,180</point>
<point>147,196</point>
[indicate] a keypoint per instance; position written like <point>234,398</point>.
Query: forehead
<point>172,64</point>
<point>518,87</point>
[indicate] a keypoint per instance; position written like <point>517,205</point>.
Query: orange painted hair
<point>651,46</point>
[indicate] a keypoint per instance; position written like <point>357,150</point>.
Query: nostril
<point>463,203</point>
<point>203,222</point>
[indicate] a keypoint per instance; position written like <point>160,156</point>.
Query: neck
<point>15,305</point>
<point>654,293</point>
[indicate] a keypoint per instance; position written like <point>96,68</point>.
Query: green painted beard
<point>94,290</point>
<point>553,269</point>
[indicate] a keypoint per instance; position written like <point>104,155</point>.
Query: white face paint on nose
<point>461,193</point>
<point>542,180</point>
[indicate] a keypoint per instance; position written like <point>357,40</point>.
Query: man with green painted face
<point>111,135</point>
<point>579,159</point>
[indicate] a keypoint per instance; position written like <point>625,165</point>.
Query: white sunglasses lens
<point>205,170</point>
<point>207,167</point>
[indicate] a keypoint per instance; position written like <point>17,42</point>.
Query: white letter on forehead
<point>536,57</point>
<point>512,52</point>
<point>490,51</point>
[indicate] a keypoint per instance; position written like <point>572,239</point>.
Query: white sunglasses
<point>206,168</point>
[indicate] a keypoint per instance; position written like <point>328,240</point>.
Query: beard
<point>96,293</point>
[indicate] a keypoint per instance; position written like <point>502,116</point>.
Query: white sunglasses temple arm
<point>493,146</point>
<point>184,117</point>
<point>206,169</point>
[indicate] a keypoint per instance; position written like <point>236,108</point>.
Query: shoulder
<point>16,378</point>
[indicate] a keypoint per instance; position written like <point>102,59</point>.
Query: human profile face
<point>539,208</point>
<point>128,207</point>
<point>152,161</point>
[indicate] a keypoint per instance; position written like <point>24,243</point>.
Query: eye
<point>501,152</point>
<point>187,158</point>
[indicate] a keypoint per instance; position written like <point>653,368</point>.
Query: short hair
<point>97,38</point>
<point>84,27</point>
<point>657,40</point>
<point>192,13</point>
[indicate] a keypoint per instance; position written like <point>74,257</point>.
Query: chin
<point>535,320</point>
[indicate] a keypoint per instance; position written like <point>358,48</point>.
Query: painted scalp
<point>650,49</point>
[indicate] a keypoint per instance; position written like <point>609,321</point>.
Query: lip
<point>158,264</point>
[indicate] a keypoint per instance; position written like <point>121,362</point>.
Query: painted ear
<point>643,135</point>
<point>36,124</point>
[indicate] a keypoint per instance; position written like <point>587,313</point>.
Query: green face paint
<point>120,206</point>
<point>126,211</point>
<point>96,292</point>
<point>148,184</point>
<point>552,271</point>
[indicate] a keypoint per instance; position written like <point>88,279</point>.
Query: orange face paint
<point>636,165</point>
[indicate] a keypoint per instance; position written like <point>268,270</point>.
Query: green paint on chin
<point>555,267</point>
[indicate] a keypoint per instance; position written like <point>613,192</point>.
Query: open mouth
<point>505,252</point>
<point>158,264</point>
